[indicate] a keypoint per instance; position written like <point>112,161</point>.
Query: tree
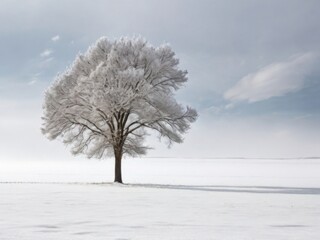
<point>108,98</point>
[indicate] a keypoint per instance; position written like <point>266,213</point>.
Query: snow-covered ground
<point>164,199</point>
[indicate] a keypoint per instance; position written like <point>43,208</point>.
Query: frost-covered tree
<point>108,98</point>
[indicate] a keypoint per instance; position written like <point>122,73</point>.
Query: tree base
<point>118,181</point>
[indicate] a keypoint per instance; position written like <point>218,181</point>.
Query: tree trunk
<point>117,172</point>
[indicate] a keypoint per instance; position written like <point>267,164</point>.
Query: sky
<point>253,70</point>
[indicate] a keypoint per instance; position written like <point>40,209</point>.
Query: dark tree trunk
<point>117,170</point>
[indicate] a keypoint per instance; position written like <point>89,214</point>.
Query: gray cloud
<point>46,53</point>
<point>274,80</point>
<point>55,38</point>
<point>217,42</point>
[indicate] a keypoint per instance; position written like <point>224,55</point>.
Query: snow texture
<point>166,199</point>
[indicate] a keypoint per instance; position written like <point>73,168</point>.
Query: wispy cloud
<point>46,53</point>
<point>273,80</point>
<point>48,60</point>
<point>55,38</point>
<point>34,79</point>
<point>45,63</point>
<point>32,82</point>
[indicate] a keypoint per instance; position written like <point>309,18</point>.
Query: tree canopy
<point>106,100</point>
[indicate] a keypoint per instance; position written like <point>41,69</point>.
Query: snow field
<point>164,199</point>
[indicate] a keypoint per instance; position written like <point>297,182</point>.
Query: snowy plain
<point>163,198</point>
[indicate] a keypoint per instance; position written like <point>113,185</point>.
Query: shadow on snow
<point>239,189</point>
<point>202,188</point>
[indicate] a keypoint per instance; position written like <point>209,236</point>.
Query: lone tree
<point>106,100</point>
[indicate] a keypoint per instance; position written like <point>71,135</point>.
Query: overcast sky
<point>253,70</point>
